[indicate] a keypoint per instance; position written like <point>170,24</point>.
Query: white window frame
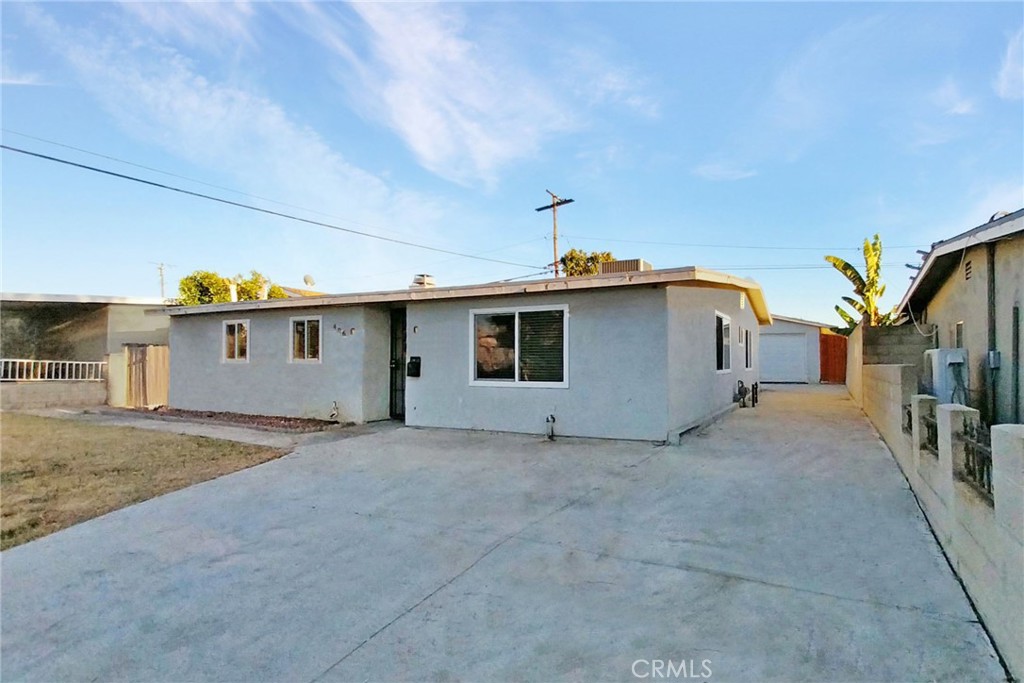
<point>320,341</point>
<point>739,335</point>
<point>224,341</point>
<point>748,356</point>
<point>726,320</point>
<point>958,335</point>
<point>516,382</point>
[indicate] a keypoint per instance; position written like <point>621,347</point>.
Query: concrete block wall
<point>900,345</point>
<point>886,391</point>
<point>984,539</point>
<point>69,394</point>
<point>855,365</point>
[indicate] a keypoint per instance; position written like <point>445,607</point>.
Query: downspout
<point>1016,365</point>
<point>989,362</point>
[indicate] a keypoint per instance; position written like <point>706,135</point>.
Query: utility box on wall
<point>946,376</point>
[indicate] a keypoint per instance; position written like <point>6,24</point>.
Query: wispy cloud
<point>723,171</point>
<point>205,24</point>
<point>948,98</point>
<point>10,76</point>
<point>461,112</point>
<point>159,96</point>
<point>597,80</point>
<point>810,97</point>
<point>1009,83</point>
<point>457,94</point>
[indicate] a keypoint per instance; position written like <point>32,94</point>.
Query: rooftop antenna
<point>160,269</point>
<point>556,202</point>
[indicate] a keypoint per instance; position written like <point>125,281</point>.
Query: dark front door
<point>398,363</point>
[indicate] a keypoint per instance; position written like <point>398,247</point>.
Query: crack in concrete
<point>697,569</point>
<point>452,580</point>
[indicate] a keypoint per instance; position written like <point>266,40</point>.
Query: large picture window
<point>236,341</point>
<point>305,342</point>
<point>525,346</point>
<point>723,341</point>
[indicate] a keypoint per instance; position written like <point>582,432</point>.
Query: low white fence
<point>26,370</point>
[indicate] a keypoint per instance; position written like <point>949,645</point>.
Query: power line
<point>260,209</point>
<point>198,182</point>
<point>732,246</point>
<point>793,267</point>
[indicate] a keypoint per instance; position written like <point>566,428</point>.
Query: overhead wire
<point>728,246</point>
<point>259,209</point>
<point>199,182</point>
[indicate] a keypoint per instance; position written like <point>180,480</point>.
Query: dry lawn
<point>59,472</point>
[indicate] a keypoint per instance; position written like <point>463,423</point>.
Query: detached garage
<point>801,352</point>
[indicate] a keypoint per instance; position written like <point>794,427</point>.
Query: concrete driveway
<point>781,543</point>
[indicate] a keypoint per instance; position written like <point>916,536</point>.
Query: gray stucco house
<point>641,355</point>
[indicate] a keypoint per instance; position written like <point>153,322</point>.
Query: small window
<point>958,335</point>
<point>519,347</point>
<point>749,351</point>
<point>305,341</point>
<point>740,335</point>
<point>723,341</point>
<point>236,341</point>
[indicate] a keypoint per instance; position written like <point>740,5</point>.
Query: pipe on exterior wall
<point>1016,364</point>
<point>991,371</point>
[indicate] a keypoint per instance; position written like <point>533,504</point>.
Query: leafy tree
<point>207,287</point>
<point>577,263</point>
<point>867,287</point>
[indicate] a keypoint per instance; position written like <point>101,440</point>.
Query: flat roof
<point>945,255</point>
<point>21,297</point>
<point>801,321</point>
<point>692,276</point>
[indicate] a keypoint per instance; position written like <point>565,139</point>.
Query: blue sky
<point>754,138</point>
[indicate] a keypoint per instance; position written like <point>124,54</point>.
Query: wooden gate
<point>833,358</point>
<point>148,373</point>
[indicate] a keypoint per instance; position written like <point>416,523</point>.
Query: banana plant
<point>868,287</point>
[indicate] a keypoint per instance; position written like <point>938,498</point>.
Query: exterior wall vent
<point>625,266</point>
<point>422,281</point>
<point>967,270</point>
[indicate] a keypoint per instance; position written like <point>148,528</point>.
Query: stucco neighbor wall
<point>617,368</point>
<point>269,384</point>
<point>696,390</point>
<point>961,299</point>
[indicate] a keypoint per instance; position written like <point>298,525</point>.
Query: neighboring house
<point>642,355</point>
<point>971,289</point>
<point>801,351</point>
<point>60,349</point>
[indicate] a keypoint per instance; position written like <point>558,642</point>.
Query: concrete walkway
<point>781,543</point>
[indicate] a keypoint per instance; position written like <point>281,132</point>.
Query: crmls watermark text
<point>666,668</point>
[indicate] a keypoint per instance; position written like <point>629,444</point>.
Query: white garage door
<point>784,358</point>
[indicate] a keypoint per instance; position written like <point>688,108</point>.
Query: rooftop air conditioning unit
<point>625,266</point>
<point>945,375</point>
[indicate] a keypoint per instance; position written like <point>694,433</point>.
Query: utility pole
<point>556,202</point>
<point>160,269</point>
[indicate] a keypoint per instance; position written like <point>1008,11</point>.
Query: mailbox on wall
<point>412,368</point>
